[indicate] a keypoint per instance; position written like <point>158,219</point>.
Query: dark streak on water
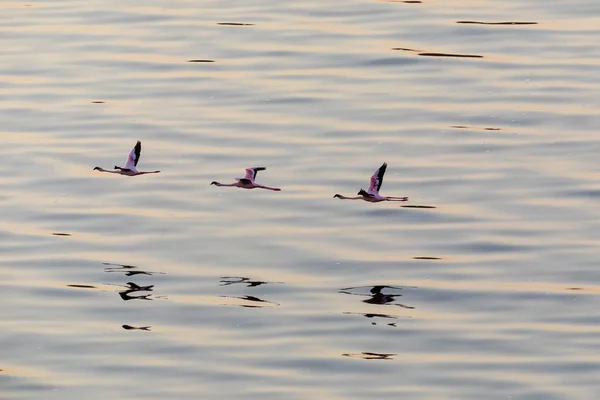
<point>83,286</point>
<point>201,61</point>
<point>429,54</point>
<point>415,206</point>
<point>234,24</point>
<point>496,23</point>
<point>140,328</point>
<point>474,127</point>
<point>426,258</point>
<point>61,234</point>
<point>98,102</point>
<point>405,49</point>
<point>450,55</point>
<point>371,356</point>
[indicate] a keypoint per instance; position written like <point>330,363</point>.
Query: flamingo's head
<point>337,196</point>
<point>97,168</point>
<point>214,183</point>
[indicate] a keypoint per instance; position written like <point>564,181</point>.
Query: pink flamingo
<point>372,195</point>
<point>247,182</point>
<point>131,164</point>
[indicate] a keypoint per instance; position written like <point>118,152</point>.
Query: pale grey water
<point>313,91</point>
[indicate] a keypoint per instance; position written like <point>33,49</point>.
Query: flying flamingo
<point>131,164</point>
<point>247,182</point>
<point>372,195</point>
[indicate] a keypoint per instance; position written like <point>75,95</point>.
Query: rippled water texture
<point>486,286</point>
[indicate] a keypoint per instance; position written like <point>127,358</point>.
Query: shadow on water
<point>201,61</point>
<point>250,302</point>
<point>138,328</point>
<point>497,23</point>
<point>371,356</point>
<point>426,258</point>
<point>60,234</point>
<point>375,295</point>
<point>417,206</point>
<point>231,280</point>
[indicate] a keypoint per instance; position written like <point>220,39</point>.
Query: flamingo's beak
<point>96,168</point>
<point>214,182</point>
<point>336,196</point>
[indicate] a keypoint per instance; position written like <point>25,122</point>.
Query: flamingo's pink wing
<point>250,174</point>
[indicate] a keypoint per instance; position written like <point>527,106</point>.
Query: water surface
<point>483,286</point>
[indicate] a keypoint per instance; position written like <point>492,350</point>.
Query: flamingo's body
<point>372,195</point>
<point>130,166</point>
<point>247,182</point>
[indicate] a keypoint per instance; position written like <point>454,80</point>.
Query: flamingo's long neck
<point>106,170</point>
<point>341,196</point>
<point>225,184</point>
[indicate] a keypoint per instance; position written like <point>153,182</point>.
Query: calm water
<point>163,287</point>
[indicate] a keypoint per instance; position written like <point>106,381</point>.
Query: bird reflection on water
<point>136,287</point>
<point>253,302</point>
<point>133,288</point>
<point>230,280</point>
<point>129,270</point>
<point>376,296</point>
<point>373,315</point>
<point>249,301</point>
